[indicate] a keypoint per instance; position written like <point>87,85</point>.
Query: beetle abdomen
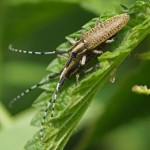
<point>105,30</point>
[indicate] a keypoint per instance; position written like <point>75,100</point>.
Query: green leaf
<point>74,100</point>
<point>123,108</point>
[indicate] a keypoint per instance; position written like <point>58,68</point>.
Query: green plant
<point>75,100</point>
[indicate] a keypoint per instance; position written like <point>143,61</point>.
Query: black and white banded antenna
<point>32,88</point>
<point>53,102</point>
<point>11,48</point>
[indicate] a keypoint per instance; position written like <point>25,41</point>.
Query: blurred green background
<point>122,116</point>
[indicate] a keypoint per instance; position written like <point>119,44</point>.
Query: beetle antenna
<point>32,88</point>
<point>54,98</point>
<point>11,48</point>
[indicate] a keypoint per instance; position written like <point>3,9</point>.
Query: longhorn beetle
<point>80,54</point>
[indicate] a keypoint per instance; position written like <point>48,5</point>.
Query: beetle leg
<point>83,61</point>
<point>109,41</point>
<point>93,68</point>
<point>97,52</point>
<point>77,78</point>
